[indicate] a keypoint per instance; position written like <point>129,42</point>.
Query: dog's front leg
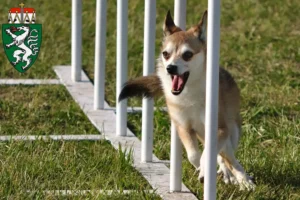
<point>201,167</point>
<point>222,137</point>
<point>189,139</point>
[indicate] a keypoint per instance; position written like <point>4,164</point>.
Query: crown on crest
<point>21,15</point>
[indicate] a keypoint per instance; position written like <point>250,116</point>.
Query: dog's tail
<point>144,86</point>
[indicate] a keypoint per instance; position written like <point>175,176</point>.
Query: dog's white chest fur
<point>189,109</point>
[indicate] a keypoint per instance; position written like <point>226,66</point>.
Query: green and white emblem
<point>22,38</point>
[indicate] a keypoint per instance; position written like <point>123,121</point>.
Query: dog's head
<point>183,52</point>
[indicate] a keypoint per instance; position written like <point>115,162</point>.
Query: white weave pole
<point>149,67</point>
<point>176,146</point>
<point>176,161</point>
<point>212,94</point>
<point>99,91</point>
<point>76,40</point>
<point>122,29</point>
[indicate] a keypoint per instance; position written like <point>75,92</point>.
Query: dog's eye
<point>166,55</point>
<point>187,55</point>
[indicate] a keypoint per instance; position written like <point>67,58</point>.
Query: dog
<point>181,78</point>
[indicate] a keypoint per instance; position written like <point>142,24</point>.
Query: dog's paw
<point>233,180</point>
<point>227,176</point>
<point>201,178</point>
<point>247,183</point>
<point>201,174</point>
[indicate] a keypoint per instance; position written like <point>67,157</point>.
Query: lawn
<point>28,169</point>
<point>49,108</point>
<point>260,46</point>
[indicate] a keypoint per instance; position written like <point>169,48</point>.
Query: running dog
<point>181,77</point>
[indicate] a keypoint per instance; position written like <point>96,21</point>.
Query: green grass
<point>41,110</point>
<point>38,166</point>
<point>260,46</point>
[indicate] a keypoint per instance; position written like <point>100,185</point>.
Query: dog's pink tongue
<point>177,82</point>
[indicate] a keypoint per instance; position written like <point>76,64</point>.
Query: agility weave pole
<point>148,68</point>
<point>212,97</point>
<point>176,145</point>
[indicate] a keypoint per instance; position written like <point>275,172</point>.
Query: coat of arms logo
<point>21,37</point>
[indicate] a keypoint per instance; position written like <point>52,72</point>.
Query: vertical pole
<point>149,66</point>
<point>180,13</point>
<point>212,93</point>
<point>122,21</point>
<point>76,39</point>
<point>176,146</point>
<point>100,54</point>
<point>176,161</point>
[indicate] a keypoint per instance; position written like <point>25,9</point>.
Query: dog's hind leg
<point>235,167</point>
<point>234,134</point>
<point>189,139</point>
<point>225,172</point>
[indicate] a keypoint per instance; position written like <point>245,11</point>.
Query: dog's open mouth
<point>178,82</point>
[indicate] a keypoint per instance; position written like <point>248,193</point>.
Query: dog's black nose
<point>172,69</point>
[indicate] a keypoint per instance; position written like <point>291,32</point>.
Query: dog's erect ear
<point>169,26</point>
<point>201,29</point>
